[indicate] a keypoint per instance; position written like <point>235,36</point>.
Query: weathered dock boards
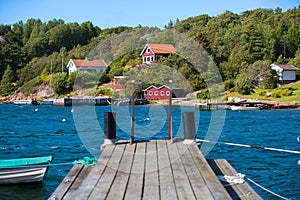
<point>146,170</point>
<point>236,191</point>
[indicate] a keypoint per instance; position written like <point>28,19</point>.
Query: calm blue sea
<point>28,130</point>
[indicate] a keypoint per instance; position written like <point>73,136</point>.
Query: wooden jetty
<point>210,106</point>
<point>151,170</point>
<point>263,105</point>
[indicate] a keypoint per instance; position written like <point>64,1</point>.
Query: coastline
<point>267,104</point>
<point>270,104</point>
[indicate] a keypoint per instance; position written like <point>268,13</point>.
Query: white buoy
<point>36,110</point>
<point>298,139</point>
<point>64,120</point>
<point>298,162</point>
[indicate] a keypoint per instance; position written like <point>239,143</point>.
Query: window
<point>148,50</point>
<point>156,93</point>
<point>168,93</point>
<point>148,59</point>
<point>162,93</point>
<point>150,93</point>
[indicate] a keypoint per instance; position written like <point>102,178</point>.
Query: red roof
<point>89,63</point>
<point>160,48</point>
<point>156,87</point>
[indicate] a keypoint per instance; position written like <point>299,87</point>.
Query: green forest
<point>242,46</point>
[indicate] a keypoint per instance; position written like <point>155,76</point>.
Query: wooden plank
<point>151,184</point>
<point>77,182</point>
<point>197,183</point>
<point>233,194</point>
<point>135,183</point>
<point>104,184</point>
<point>119,185</point>
<point>88,184</point>
<point>166,179</point>
<point>182,183</point>
<point>243,190</point>
<point>208,175</point>
<point>67,182</point>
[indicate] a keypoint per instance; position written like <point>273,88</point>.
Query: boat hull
<point>22,175</point>
<point>26,102</point>
<point>22,102</point>
<point>23,170</point>
<point>243,108</point>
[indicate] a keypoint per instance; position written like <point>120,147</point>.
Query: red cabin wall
<point>159,94</point>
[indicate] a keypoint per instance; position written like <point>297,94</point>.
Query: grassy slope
<point>278,94</point>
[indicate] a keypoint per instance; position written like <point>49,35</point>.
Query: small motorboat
<point>26,102</point>
<point>23,170</point>
<point>244,108</point>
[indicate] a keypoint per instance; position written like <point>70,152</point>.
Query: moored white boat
<point>26,102</point>
<point>22,102</point>
<point>24,170</point>
<point>244,108</point>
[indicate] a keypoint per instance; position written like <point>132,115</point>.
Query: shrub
<point>286,92</point>
<point>104,91</point>
<point>262,93</point>
<point>203,95</point>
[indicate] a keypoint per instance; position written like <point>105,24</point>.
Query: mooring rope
<point>239,178</point>
<point>265,189</point>
<point>85,161</point>
<point>249,146</point>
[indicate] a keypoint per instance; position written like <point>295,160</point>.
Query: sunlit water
<point>27,131</point>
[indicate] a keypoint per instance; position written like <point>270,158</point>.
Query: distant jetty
<point>82,101</point>
<point>263,105</point>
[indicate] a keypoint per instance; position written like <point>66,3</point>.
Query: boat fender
<point>107,142</point>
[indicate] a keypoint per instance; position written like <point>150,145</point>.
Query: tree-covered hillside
<point>238,43</point>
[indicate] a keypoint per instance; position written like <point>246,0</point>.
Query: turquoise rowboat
<point>24,170</point>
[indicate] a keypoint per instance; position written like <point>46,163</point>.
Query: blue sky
<point>113,13</point>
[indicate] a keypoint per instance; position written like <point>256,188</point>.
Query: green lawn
<point>285,93</point>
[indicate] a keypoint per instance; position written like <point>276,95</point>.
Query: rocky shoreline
<point>190,103</point>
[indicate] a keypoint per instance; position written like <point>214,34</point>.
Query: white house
<point>286,73</point>
<point>153,52</point>
<point>91,66</point>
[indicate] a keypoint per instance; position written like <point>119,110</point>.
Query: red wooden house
<point>162,92</point>
<point>153,52</point>
<point>153,92</point>
<point>116,83</point>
